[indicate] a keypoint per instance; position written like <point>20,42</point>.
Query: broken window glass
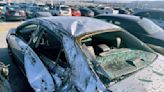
<point>115,55</point>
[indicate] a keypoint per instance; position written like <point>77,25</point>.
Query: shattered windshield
<point>118,62</point>
<point>115,55</point>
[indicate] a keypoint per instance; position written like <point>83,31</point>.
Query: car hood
<point>149,79</point>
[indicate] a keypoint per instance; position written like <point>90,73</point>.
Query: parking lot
<point>17,80</point>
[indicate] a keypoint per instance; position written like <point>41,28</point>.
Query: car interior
<point>117,52</point>
<point>107,41</point>
<point>50,46</point>
<point>25,33</point>
<point>49,49</point>
<point>99,44</point>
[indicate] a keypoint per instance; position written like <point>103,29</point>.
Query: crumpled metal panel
<point>37,74</point>
<point>82,77</point>
<point>77,26</point>
<point>149,79</point>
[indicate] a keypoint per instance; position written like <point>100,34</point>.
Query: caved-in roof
<point>77,26</point>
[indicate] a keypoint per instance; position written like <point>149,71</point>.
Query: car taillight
<point>8,13</point>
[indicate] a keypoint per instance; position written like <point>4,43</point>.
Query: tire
<point>23,19</point>
<point>3,19</point>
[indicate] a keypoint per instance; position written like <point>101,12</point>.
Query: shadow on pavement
<point>17,80</point>
<point>11,21</point>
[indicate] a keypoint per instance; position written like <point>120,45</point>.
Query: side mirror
<point>12,32</point>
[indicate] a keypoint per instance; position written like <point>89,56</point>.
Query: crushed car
<point>82,54</point>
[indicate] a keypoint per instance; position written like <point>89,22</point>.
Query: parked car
<point>42,11</point>
<point>75,12</point>
<point>30,11</point>
<point>102,10</point>
<point>76,54</point>
<point>61,10</point>
<point>13,13</point>
<point>122,11</point>
<point>143,28</point>
<point>38,11</point>
<point>23,6</point>
<point>157,16</point>
<point>86,12</point>
<point>1,7</point>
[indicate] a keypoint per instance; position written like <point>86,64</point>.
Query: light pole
<point>52,3</point>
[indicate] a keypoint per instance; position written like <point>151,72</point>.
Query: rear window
<point>101,8</point>
<point>65,8</point>
<point>44,8</point>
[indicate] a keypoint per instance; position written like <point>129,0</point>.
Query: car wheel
<point>23,19</point>
<point>55,14</point>
<point>3,18</point>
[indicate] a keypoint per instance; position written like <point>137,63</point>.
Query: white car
<point>61,10</point>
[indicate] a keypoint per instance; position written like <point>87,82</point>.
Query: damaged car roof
<point>77,26</point>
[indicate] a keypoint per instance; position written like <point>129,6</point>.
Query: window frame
<point>46,29</point>
<point>18,34</point>
<point>123,23</point>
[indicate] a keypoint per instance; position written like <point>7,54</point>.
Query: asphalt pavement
<point>17,80</point>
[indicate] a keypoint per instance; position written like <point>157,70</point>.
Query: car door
<point>19,42</point>
<point>36,72</point>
